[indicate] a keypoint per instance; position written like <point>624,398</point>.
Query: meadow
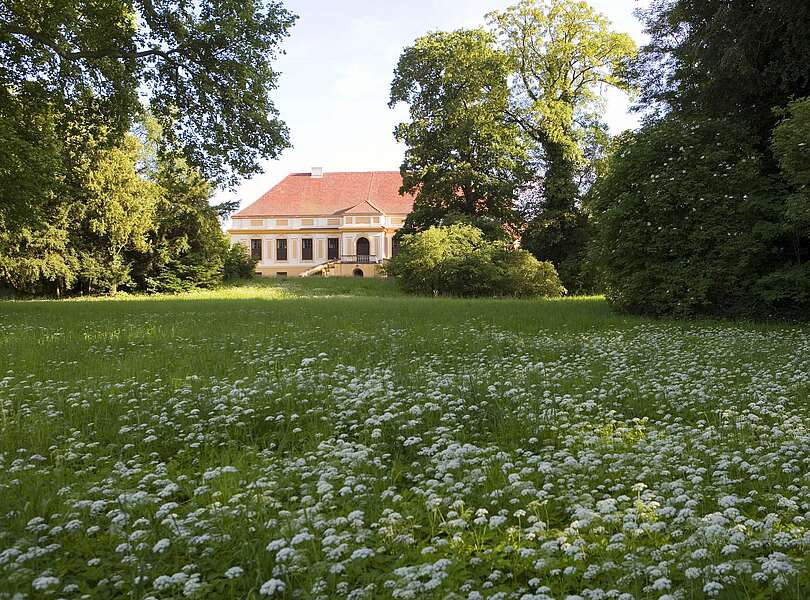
<point>329,438</point>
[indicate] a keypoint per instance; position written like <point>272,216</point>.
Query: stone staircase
<point>322,269</point>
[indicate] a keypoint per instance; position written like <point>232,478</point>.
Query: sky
<point>337,68</point>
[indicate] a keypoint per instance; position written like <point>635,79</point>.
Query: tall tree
<point>115,215</point>
<point>723,58</point>
<point>203,67</point>
<point>187,247</point>
<point>35,163</point>
<point>705,208</point>
<point>564,55</point>
<point>463,157</point>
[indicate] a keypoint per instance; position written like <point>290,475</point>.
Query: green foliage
<point>115,217</point>
<point>458,260</point>
<point>462,156</point>
<point>204,68</point>
<point>727,233</point>
<point>726,58</point>
<point>561,237</point>
<point>39,261</point>
<point>481,103</point>
<point>238,263</point>
<point>33,217</point>
<point>522,275</point>
<point>564,55</point>
<point>188,247</point>
<point>83,208</point>
<point>791,143</point>
<point>121,217</point>
<point>687,224</point>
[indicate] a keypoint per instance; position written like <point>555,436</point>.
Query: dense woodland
<point>117,123</point>
<point>705,209</point>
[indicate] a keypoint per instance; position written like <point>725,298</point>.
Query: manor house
<point>324,223</point>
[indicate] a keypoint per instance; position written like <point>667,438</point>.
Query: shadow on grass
<point>213,333</point>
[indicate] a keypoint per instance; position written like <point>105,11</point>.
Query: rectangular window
<point>281,273</point>
<point>394,247</point>
<point>306,249</point>
<point>332,248</point>
<point>256,249</point>
<point>281,249</point>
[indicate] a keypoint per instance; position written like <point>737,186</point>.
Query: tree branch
<point>89,54</point>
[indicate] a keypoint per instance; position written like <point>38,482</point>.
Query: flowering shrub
<point>411,449</point>
<point>689,222</point>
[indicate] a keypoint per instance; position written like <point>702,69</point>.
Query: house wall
<point>295,230</point>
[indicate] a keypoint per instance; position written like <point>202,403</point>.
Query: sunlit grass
<point>378,445</point>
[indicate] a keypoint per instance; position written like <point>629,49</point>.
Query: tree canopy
<point>463,157</point>
<point>704,210</point>
<point>563,53</point>
<point>203,68</point>
<point>725,58</point>
<point>510,119</point>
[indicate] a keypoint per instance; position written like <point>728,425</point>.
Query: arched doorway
<point>357,272</point>
<point>362,249</point>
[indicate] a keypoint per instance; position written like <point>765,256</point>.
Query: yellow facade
<point>346,246</point>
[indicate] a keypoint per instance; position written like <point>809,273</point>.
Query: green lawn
<point>323,438</point>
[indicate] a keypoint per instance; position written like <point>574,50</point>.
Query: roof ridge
<point>368,189</point>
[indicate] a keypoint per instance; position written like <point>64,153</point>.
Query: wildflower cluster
<point>651,461</point>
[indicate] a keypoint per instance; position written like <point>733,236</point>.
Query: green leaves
<point>458,260</point>
<point>563,54</point>
<point>463,156</point>
<point>705,209</point>
<point>490,109</point>
<point>686,223</point>
<point>203,68</point>
<point>790,143</point>
<point>726,58</point>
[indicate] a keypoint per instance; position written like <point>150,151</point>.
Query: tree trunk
<point>560,181</point>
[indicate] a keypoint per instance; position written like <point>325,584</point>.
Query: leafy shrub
<point>789,286</point>
<point>239,263</point>
<point>688,224</point>
<point>561,237</point>
<point>458,260</point>
<point>521,274</point>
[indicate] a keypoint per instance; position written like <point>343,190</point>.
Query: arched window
<point>363,248</point>
<point>357,272</point>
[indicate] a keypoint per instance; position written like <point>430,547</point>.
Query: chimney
<point>317,172</point>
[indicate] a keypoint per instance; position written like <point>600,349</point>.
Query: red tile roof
<point>369,192</point>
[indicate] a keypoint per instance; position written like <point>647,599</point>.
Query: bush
<point>458,260</point>
<point>561,237</point>
<point>239,263</point>
<point>522,275</point>
<point>687,224</point>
